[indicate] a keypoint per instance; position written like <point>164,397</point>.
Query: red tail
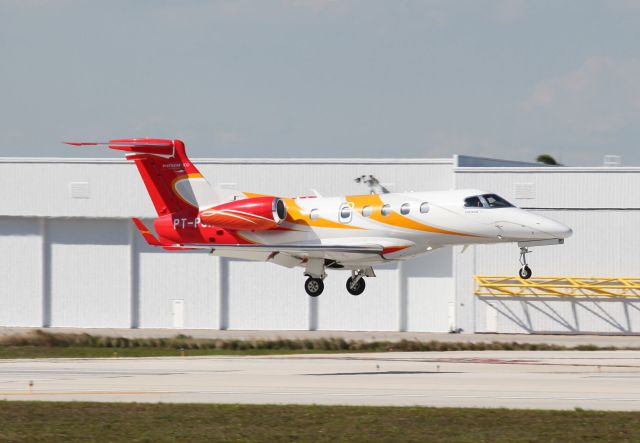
<point>162,164</point>
<point>173,182</point>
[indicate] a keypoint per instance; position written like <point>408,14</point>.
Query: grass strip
<point>44,344</point>
<point>135,422</point>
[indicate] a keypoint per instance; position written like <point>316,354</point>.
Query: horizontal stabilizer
<point>153,241</point>
<point>148,236</point>
<point>156,146</point>
<point>85,143</point>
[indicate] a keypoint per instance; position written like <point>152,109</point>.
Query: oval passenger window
<point>345,212</point>
<point>424,207</point>
<point>313,214</point>
<point>386,210</point>
<point>366,211</point>
<point>405,208</point>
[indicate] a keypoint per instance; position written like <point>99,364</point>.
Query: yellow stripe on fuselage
<point>298,216</point>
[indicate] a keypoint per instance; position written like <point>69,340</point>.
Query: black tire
<point>525,272</point>
<point>358,289</point>
<point>314,286</point>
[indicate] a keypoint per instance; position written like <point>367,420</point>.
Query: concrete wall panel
<point>21,265</point>
<point>266,296</point>
<point>430,291</point>
<point>165,276</point>
<point>90,273</point>
<point>374,310</point>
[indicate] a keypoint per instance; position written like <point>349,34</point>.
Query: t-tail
<point>174,184</point>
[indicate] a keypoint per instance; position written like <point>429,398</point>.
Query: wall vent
<point>79,190</point>
<point>524,191</point>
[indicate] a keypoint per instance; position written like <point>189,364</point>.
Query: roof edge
<point>276,161</point>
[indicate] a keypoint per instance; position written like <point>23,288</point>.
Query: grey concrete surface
<point>607,380</point>
<point>621,341</point>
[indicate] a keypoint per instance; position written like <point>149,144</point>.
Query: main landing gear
<point>355,283</point>
<point>314,284</point>
<point>525,271</point>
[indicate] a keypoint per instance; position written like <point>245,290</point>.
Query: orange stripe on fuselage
<point>254,195</point>
<point>394,218</point>
<point>296,215</point>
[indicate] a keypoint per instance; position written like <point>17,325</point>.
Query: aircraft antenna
<point>375,187</point>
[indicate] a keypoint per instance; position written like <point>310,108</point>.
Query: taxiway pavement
<point>607,380</point>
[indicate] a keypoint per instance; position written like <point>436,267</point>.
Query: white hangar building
<point>71,257</point>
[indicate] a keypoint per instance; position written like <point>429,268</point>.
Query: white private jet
<point>354,232</point>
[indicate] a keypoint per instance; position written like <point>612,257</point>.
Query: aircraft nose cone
<point>556,229</point>
<point>566,232</point>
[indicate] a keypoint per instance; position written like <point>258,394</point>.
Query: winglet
<point>84,143</point>
<point>148,236</point>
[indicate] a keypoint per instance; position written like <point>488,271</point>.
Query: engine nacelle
<point>249,214</point>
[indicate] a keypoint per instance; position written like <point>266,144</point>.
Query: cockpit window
<point>473,202</point>
<point>495,201</point>
<point>486,201</point>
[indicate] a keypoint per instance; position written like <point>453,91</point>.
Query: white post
<point>403,299</point>
<point>223,293</point>
<point>134,278</point>
<point>46,274</point>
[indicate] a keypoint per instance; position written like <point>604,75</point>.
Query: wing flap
<point>294,255</point>
<point>293,249</point>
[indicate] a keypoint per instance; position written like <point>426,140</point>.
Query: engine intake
<point>249,214</point>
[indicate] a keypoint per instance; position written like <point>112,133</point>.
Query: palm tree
<point>547,159</point>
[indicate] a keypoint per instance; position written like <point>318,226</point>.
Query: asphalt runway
<point>607,380</point>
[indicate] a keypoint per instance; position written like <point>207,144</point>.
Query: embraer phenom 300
<point>354,232</point>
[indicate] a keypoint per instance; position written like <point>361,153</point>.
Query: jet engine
<point>249,214</point>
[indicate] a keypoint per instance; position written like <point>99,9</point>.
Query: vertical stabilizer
<point>173,182</point>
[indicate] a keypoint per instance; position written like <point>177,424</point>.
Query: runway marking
<point>542,361</point>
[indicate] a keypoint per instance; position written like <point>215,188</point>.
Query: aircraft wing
<point>289,255</point>
<point>293,249</point>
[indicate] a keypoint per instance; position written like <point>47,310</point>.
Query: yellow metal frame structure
<point>500,286</point>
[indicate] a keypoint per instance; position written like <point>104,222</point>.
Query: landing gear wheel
<point>525,272</point>
<point>314,286</point>
<point>357,288</point>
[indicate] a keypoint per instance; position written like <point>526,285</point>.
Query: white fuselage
<point>406,224</point>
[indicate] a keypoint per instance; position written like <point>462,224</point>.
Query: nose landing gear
<point>525,271</point>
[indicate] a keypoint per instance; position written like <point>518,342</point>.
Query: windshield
<point>495,201</point>
<point>486,201</point>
